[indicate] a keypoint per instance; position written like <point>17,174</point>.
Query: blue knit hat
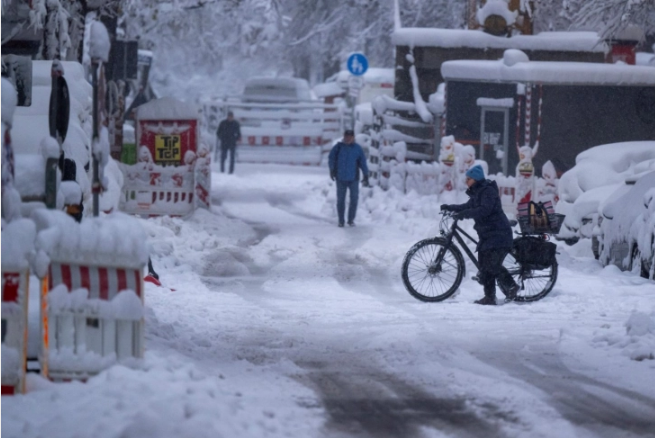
<point>476,173</point>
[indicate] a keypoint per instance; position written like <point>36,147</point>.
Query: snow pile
<point>30,175</point>
<point>17,244</point>
<point>10,364</point>
<point>512,57</point>
<point>437,100</point>
<point>638,342</point>
<point>112,240</point>
<point>99,43</point>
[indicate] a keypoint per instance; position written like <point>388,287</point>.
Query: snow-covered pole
<point>99,52</point>
<point>58,117</point>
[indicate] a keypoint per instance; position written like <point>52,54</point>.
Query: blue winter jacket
<point>485,209</point>
<point>346,160</point>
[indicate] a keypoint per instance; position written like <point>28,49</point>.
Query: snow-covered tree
<point>608,17</point>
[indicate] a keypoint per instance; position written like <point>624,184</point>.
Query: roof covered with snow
<point>166,108</point>
<point>451,38</point>
<point>548,72</point>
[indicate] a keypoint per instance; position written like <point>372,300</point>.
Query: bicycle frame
<point>455,231</point>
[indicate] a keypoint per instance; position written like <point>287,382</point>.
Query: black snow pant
<point>224,149</point>
<point>491,269</point>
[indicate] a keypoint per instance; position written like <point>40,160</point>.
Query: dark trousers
<point>342,187</point>
<point>491,269</point>
<point>224,150</point>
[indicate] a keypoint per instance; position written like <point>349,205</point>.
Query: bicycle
<point>433,269</point>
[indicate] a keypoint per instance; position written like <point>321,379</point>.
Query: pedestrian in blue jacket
<point>345,161</point>
<point>494,233</point>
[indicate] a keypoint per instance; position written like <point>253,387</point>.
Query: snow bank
<point>638,341</point>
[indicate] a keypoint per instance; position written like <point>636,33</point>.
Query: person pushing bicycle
<point>494,233</point>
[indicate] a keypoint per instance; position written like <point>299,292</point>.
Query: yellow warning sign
<point>168,148</point>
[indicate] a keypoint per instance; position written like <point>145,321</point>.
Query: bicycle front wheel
<point>534,284</point>
<point>432,271</point>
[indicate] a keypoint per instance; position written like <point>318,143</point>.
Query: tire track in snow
<point>596,406</point>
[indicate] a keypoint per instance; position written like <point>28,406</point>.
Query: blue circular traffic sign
<point>357,64</point>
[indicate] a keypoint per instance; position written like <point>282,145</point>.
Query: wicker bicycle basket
<point>555,221</point>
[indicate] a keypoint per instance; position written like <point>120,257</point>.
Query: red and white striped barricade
<point>171,174</point>
<point>15,287</point>
<point>92,299</point>
<point>17,249</point>
<point>291,133</point>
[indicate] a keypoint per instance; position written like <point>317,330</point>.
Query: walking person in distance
<point>228,133</point>
<point>345,161</point>
<point>494,233</point>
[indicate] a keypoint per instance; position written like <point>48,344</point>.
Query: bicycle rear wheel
<point>534,284</point>
<point>426,278</point>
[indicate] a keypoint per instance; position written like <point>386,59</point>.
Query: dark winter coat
<point>485,209</point>
<point>229,131</point>
<point>346,160</point>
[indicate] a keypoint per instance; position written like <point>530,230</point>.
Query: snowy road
<point>282,324</point>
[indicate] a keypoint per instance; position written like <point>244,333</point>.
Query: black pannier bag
<point>534,253</point>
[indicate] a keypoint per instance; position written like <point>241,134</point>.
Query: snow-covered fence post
<point>99,52</point>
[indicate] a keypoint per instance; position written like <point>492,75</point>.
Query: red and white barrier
<point>286,133</point>
<point>172,174</point>
<point>279,140</point>
<point>92,295</point>
<point>284,149</point>
<point>95,319</point>
<point>18,237</point>
<point>15,287</point>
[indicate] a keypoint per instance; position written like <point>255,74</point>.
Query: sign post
<point>357,64</point>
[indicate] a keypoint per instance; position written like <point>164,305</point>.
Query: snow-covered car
<point>627,228</point>
<point>598,172</point>
<point>276,90</point>
<point>31,127</point>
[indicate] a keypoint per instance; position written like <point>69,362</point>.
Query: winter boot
<point>487,301</point>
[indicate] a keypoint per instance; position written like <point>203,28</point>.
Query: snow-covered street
<point>274,322</point>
